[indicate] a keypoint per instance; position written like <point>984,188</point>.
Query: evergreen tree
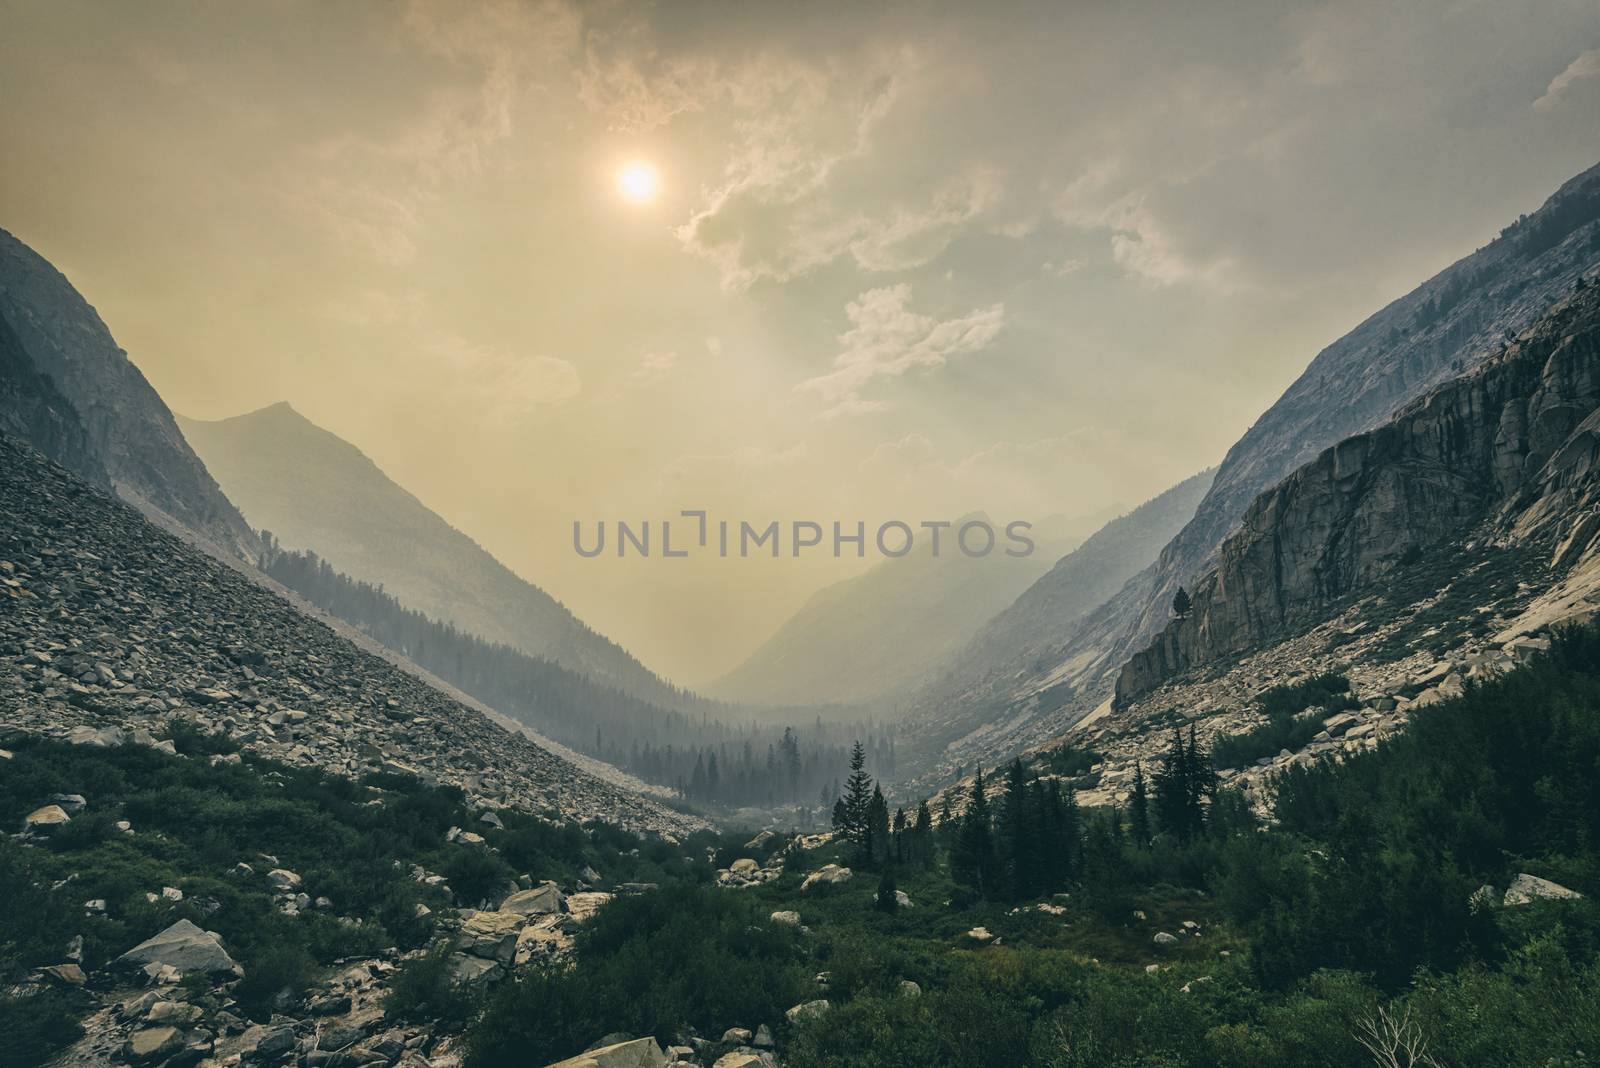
<point>887,899</point>
<point>973,861</point>
<point>857,795</point>
<point>900,836</point>
<point>875,842</point>
<point>922,835</point>
<point>1139,807</point>
<point>1019,834</point>
<point>1181,603</point>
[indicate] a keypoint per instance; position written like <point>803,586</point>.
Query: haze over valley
<point>904,536</point>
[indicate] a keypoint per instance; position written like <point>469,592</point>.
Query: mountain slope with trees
<point>312,490</point>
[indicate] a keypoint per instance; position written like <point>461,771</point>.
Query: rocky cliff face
<point>1445,326</point>
<point>125,421</point>
<point>112,630</point>
<point>1512,443</point>
<point>33,409</point>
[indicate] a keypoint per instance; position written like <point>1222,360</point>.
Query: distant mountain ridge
<point>873,636</point>
<point>1014,647</point>
<point>313,490</point>
<point>127,426</point>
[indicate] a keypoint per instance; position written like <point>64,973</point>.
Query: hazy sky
<point>906,260</point>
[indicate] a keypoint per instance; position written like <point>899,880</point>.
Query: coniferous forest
<point>693,749</point>
<point>1367,923</point>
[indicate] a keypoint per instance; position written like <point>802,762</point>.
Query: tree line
<point>706,759</point>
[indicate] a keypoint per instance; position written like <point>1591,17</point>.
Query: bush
<point>648,965</point>
<point>424,990</point>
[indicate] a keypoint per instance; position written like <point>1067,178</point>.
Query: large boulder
<point>184,947</point>
<point>1526,889</point>
<point>491,935</point>
<point>830,874</point>
<point>639,1053</point>
<point>541,900</point>
<point>807,1010</point>
<point>582,906</point>
<point>47,818</point>
<point>152,1043</point>
<point>97,737</point>
<point>740,1059</point>
<point>283,880</point>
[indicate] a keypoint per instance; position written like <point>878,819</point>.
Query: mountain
<point>1017,644</point>
<point>129,437</point>
<point>313,490</point>
<point>31,408</point>
<point>1504,459</point>
<point>1442,329</point>
<point>116,631</point>
<point>876,634</point>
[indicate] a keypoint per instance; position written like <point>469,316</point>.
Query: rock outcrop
<point>184,948</point>
<point>126,425</point>
<point>1441,330</point>
<point>1509,451</point>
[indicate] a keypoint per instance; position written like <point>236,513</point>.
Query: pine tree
<point>1139,807</point>
<point>857,795</point>
<point>922,834</point>
<point>1181,603</point>
<point>887,899</point>
<point>973,862</point>
<point>876,840</point>
<point>1018,833</point>
<point>900,836</point>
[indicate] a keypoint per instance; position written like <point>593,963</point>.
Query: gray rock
<point>152,1044</point>
<point>541,900</point>
<point>828,874</point>
<point>1526,889</point>
<point>638,1053</point>
<point>184,947</point>
<point>47,818</point>
<point>808,1010</point>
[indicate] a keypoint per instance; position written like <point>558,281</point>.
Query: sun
<point>639,182</point>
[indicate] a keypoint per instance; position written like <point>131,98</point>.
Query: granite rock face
<point>126,425</point>
<point>112,631</point>
<point>1512,444</point>
<point>32,408</point>
<point>1440,331</point>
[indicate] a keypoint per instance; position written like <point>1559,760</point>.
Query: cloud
<point>888,339</point>
<point>743,460</point>
<point>504,386</point>
<point>653,368</point>
<point>1587,65</point>
<point>373,190</point>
